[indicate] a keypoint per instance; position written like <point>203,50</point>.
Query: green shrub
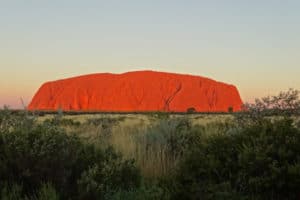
<point>152,192</point>
<point>47,192</point>
<point>58,121</point>
<point>10,120</point>
<point>13,192</point>
<point>104,122</point>
<point>191,110</point>
<point>32,154</point>
<point>159,115</point>
<point>261,161</point>
<point>113,174</point>
<point>42,153</point>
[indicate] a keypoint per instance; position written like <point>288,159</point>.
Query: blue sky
<point>252,44</point>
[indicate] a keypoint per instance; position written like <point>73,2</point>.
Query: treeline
<point>256,155</point>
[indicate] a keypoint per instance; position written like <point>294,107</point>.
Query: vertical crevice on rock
<point>171,97</point>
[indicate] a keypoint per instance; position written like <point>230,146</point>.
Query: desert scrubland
<point>253,154</point>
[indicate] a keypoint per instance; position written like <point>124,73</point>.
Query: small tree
<point>191,110</point>
<point>286,103</point>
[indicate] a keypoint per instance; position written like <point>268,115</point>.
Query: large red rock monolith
<point>137,91</point>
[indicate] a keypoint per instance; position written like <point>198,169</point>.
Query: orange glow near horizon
<point>253,45</point>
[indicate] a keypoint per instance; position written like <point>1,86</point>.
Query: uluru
<point>137,91</point>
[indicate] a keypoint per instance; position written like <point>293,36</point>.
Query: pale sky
<point>254,45</point>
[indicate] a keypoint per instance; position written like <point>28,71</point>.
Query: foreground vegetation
<point>250,155</point>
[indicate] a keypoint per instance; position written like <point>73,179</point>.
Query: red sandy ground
<point>137,91</point>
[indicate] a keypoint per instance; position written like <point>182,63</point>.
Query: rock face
<point>137,91</point>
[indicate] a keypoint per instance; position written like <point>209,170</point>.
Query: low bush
<point>104,122</point>
<point>16,192</point>
<point>261,161</point>
<point>62,122</point>
<point>114,174</point>
<point>151,192</point>
<point>33,153</point>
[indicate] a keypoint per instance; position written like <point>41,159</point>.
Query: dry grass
<point>128,135</point>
